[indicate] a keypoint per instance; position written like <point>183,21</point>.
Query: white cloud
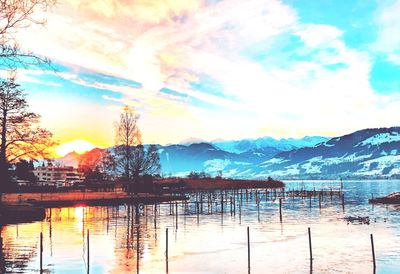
<point>388,22</point>
<point>171,44</point>
<point>319,35</point>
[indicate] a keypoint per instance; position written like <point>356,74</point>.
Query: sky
<point>212,69</point>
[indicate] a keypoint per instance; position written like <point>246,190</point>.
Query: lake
<point>215,241</point>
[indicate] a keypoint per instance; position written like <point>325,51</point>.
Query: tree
<point>23,171</point>
<point>131,156</point>
<point>97,161</point>
<point>14,16</point>
<point>128,137</point>
<point>145,162</point>
<point>21,137</point>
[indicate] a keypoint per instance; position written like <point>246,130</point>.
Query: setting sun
<point>78,146</point>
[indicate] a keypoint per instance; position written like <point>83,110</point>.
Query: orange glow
<point>79,146</point>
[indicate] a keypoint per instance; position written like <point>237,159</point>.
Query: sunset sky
<point>214,69</point>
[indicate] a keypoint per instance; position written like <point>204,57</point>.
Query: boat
<point>393,198</point>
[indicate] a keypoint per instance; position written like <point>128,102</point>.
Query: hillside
<point>371,153</point>
<point>364,153</point>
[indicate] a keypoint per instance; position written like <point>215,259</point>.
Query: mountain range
<point>368,153</point>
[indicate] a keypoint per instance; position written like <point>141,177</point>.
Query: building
<point>58,173</point>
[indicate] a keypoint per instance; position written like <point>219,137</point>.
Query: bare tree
<point>14,16</point>
<point>131,155</point>
<point>128,136</point>
<point>21,137</point>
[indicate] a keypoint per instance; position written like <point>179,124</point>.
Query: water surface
<point>215,242</point>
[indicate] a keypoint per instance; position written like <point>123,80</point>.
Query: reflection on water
<point>132,238</point>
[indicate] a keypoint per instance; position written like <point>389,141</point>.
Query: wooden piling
<point>41,252</point>
<point>280,209</point>
<point>234,207</point>
<point>222,203</point>
<point>343,201</point>
<point>137,249</point>
<point>248,249</point>
<point>88,252</point>
<point>319,201</point>
<point>155,216</point>
<point>176,215</point>
<point>310,245</point>
<point>166,250</point>
<point>373,251</point>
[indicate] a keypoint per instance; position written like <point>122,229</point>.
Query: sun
<point>78,146</point>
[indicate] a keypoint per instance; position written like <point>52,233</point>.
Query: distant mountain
<point>74,159</point>
<point>71,159</point>
<point>180,159</point>
<point>190,141</point>
<point>245,145</point>
<point>364,153</point>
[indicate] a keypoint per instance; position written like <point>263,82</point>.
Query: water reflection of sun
<point>80,217</point>
<point>79,212</point>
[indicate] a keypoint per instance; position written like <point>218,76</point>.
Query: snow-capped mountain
<point>245,145</point>
<point>364,153</point>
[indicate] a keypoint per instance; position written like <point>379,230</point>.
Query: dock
<point>29,207</point>
<point>88,198</point>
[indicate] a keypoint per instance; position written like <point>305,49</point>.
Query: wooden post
<point>373,251</point>
<point>343,201</point>
<point>280,209</point>
<point>222,203</point>
<point>310,245</point>
<point>231,205</point>
<point>137,250</point>
<point>176,215</point>
<point>155,216</point>
<point>88,252</point>
<point>319,201</point>
<point>41,252</point>
<point>166,250</point>
<point>201,201</point>
<point>248,249</point>
<point>197,211</point>
<point>234,207</point>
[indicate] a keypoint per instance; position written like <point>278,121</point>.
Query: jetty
<point>190,184</point>
<point>29,207</point>
<point>86,198</point>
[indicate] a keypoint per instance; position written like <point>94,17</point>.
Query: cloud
<point>388,22</point>
<point>321,86</point>
<point>319,35</point>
